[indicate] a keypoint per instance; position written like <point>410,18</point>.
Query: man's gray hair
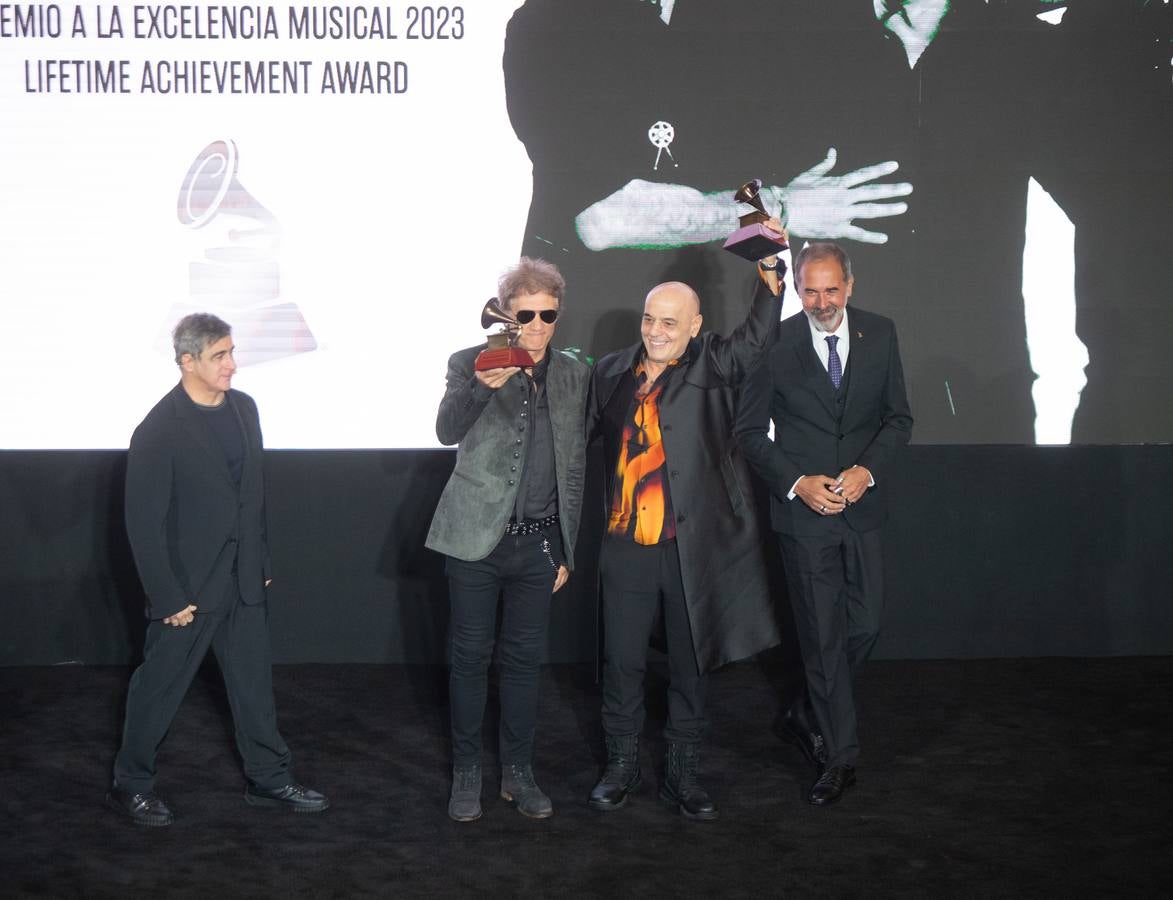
<point>817,250</point>
<point>196,332</point>
<point>531,276</point>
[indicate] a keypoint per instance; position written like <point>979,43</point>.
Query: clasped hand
<point>828,495</point>
<point>181,618</point>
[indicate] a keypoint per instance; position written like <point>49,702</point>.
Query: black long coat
<point>722,564</point>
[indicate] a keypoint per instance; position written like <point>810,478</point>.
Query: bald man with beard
<point>682,543</point>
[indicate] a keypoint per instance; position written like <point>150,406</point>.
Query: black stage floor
<point>993,778</point>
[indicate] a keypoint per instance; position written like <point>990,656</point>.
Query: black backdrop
<point>992,551</point>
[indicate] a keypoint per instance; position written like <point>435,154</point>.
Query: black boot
<point>680,785</point>
<point>621,776</point>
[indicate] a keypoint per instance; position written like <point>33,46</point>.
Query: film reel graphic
<point>661,134</point>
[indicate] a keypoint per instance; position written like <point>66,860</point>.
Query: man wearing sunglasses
<point>507,522</point>
<point>682,545</point>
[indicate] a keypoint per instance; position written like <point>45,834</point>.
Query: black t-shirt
<point>225,424</point>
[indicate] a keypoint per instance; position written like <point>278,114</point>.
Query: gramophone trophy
<point>753,240</point>
<point>502,352</point>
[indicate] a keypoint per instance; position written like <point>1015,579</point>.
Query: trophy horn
<point>501,351</point>
<point>750,193</point>
<point>495,314</point>
<point>211,187</point>
<point>753,240</point>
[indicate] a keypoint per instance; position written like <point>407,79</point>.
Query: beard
<point>828,324</point>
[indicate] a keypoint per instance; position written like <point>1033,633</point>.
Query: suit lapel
<point>252,441</point>
<point>814,376</point>
<point>608,376</point>
<point>857,361</point>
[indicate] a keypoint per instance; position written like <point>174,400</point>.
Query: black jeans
<point>639,582</point>
<point>523,576</point>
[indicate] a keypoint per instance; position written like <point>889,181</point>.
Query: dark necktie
<point>834,365</point>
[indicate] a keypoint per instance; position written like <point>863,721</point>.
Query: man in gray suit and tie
<point>507,521</point>
<point>834,387</point>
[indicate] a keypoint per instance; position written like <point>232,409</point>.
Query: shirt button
<point>680,517</point>
<point>667,427</point>
<point>523,415</point>
<point>513,468</point>
<point>510,481</point>
<point>674,473</point>
<point>516,455</point>
<point>520,428</point>
<point>519,440</point>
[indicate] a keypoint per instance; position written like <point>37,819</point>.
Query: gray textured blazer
<point>487,425</point>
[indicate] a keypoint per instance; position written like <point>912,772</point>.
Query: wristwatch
<point>777,266</point>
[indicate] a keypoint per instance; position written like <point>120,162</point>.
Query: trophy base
<point>503,358</point>
<point>755,242</point>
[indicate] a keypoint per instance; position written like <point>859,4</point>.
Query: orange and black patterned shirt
<point>641,506</point>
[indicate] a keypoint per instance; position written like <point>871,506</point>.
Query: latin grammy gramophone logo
<point>238,277</point>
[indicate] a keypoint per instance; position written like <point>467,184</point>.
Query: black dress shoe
<point>810,743</point>
<point>144,809</point>
<point>292,797</point>
<point>831,785</point>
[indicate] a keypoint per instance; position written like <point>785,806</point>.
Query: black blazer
<point>187,522</point>
<point>819,432</point>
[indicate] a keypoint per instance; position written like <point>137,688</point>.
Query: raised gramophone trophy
<point>753,240</point>
<point>502,352</point>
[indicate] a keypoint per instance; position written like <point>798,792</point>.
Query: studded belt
<point>531,526</point>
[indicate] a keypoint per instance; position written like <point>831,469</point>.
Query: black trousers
<point>836,586</point>
<point>239,637</point>
<point>521,574</point>
<point>639,583</point>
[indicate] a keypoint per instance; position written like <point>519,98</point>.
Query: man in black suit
<point>195,516</point>
<point>834,387</point>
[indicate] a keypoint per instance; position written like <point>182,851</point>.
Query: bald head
<point>681,292</point>
<point>672,316</point>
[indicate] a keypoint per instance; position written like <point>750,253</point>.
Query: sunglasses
<point>525,316</point>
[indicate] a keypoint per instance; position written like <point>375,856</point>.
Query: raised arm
<point>738,354</point>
